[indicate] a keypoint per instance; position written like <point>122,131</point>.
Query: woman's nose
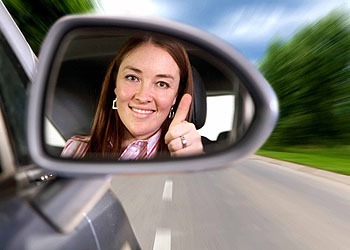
<point>143,93</point>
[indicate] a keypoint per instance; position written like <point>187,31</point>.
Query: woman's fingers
<point>188,151</point>
<point>190,134</point>
<point>177,144</point>
<point>179,130</point>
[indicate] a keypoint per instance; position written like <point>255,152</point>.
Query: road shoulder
<point>344,179</point>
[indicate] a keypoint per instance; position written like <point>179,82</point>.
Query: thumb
<point>182,110</point>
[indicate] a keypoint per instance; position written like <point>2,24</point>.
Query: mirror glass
<point>93,66</point>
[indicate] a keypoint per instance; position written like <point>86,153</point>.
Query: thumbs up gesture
<point>182,137</point>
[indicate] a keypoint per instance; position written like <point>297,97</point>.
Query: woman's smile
<point>144,112</point>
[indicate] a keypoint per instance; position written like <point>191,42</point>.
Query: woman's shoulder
<point>76,147</point>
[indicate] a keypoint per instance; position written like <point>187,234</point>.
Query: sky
<point>248,26</point>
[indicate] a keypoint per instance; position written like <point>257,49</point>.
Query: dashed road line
<point>168,191</point>
<point>162,240</point>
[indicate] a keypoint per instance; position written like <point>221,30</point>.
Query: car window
<point>13,100</point>
<point>216,123</point>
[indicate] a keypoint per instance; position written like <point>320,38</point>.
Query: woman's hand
<point>182,137</point>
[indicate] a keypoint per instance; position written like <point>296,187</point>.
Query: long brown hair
<point>107,132</point>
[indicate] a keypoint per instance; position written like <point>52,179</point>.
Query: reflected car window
<point>217,123</point>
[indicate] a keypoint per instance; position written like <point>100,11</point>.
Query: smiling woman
<point>148,82</point>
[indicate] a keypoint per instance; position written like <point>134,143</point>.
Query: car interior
<point>81,74</point>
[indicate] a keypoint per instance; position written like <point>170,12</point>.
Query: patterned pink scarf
<point>141,149</point>
<point>76,147</point>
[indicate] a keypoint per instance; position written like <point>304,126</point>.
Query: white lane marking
<point>168,191</point>
<point>162,240</point>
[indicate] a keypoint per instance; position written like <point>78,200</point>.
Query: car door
<point>37,210</point>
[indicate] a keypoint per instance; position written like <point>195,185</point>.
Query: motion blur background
<point>301,47</point>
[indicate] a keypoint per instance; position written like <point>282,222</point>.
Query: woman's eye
<point>163,84</point>
<point>131,78</point>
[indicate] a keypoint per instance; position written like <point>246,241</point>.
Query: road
<point>252,205</point>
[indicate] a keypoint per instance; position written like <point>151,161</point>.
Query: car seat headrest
<point>199,100</point>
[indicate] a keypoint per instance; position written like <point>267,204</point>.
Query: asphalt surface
<point>255,204</point>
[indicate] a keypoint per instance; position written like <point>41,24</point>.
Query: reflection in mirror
<point>121,94</point>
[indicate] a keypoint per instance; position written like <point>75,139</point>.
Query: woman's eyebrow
<point>140,71</point>
<point>133,69</point>
<point>165,76</point>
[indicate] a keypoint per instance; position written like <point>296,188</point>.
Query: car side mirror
<point>233,106</point>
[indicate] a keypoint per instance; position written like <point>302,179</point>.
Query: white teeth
<point>142,111</point>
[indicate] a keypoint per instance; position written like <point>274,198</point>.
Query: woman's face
<point>146,88</point>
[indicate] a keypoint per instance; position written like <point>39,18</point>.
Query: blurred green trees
<point>311,76</point>
<point>34,18</point>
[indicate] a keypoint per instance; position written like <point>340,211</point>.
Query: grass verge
<point>335,159</point>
